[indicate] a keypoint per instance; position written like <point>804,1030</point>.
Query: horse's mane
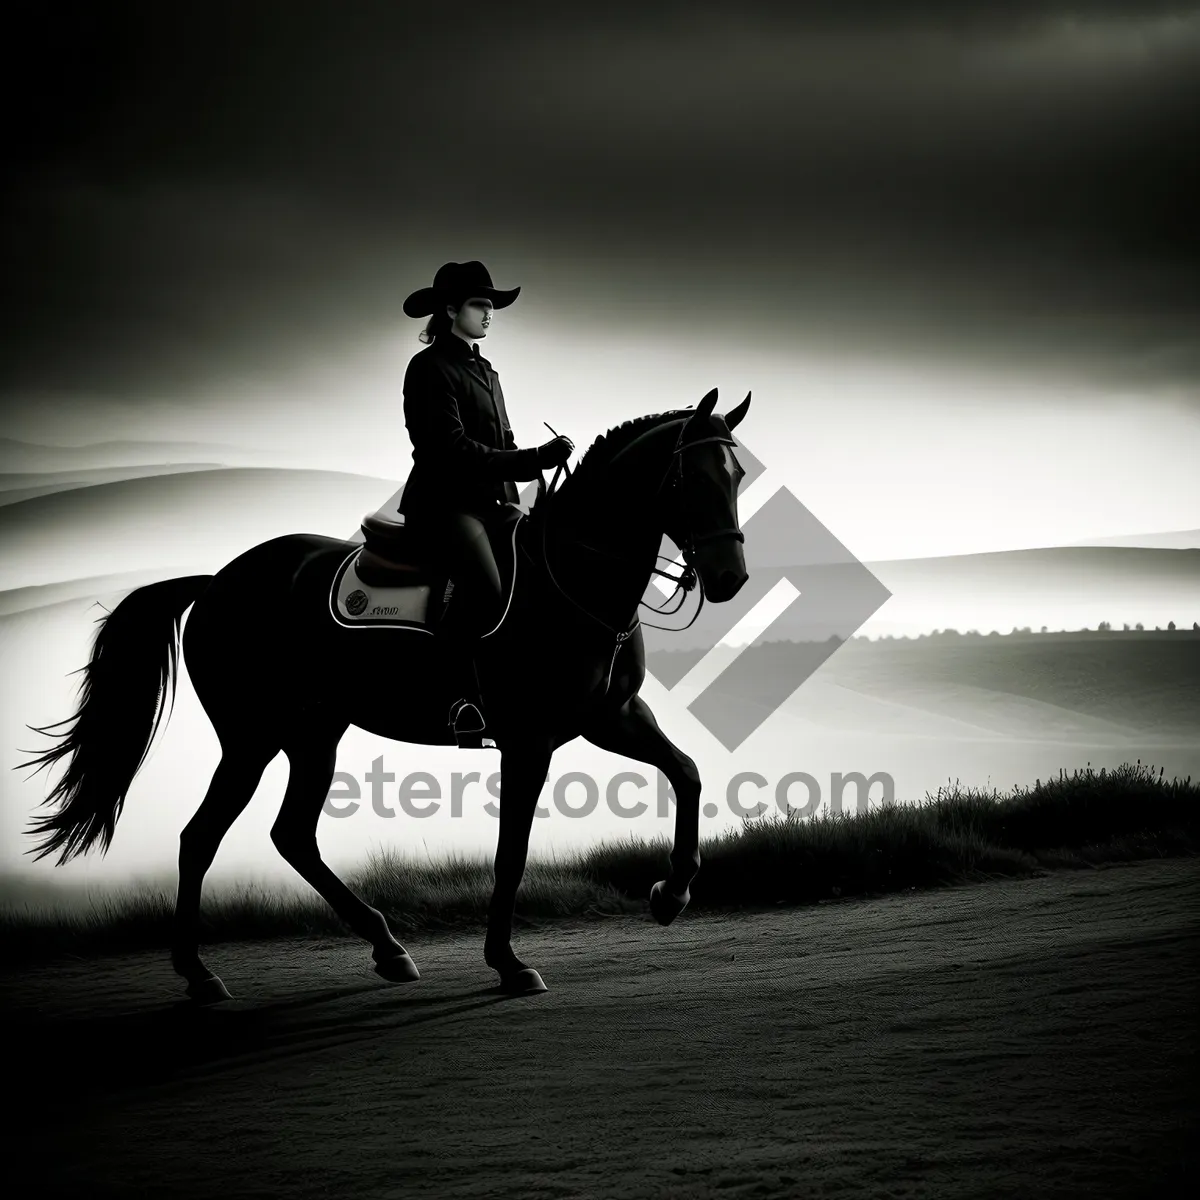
<point>609,444</point>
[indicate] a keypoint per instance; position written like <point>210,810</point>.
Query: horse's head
<point>700,499</point>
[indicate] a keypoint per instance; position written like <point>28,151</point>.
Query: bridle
<point>672,484</point>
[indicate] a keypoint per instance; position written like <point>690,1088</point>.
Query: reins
<point>684,582</point>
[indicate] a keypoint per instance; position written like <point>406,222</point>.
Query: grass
<point>956,836</point>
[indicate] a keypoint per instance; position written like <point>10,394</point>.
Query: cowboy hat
<point>453,283</point>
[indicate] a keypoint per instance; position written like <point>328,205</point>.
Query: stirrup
<point>468,725</point>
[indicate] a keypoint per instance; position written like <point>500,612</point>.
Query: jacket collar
<point>457,350</point>
<point>453,346</point>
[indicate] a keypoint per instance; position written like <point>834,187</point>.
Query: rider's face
<point>474,317</point>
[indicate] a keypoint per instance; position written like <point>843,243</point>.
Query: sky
<point>950,248</point>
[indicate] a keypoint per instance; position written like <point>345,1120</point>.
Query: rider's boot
<point>466,713</point>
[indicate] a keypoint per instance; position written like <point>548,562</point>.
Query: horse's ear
<point>734,416</point>
<point>702,413</point>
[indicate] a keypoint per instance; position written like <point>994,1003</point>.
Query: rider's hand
<point>555,452</point>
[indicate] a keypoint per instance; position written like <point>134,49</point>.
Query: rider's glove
<point>555,452</point>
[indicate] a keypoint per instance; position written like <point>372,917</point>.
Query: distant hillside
<point>163,521</point>
<point>1063,587</point>
<point>1173,539</point>
<point>110,520</point>
<point>1032,686</point>
<point>1045,567</point>
<point>26,485</point>
<point>18,457</point>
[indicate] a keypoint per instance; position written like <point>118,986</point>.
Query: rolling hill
<point>195,519</point>
<point>20,457</point>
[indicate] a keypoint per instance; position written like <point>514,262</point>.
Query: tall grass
<point>956,835</point>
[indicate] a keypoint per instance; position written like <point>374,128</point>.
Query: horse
<point>276,666</point>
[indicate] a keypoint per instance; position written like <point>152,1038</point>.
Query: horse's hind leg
<point>233,784</point>
<point>312,753</point>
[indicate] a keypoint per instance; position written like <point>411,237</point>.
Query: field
<point>1009,1038</point>
<point>958,835</point>
<point>854,1006</point>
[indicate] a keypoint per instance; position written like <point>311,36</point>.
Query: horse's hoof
<point>399,968</point>
<point>664,906</point>
<point>209,990</point>
<point>526,982</point>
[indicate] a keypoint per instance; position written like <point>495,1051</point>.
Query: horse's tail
<point>122,704</point>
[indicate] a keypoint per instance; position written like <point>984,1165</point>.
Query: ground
<point>1032,1037</point>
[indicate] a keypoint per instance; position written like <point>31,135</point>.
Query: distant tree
<point>1171,625</point>
<point>1045,629</point>
<point>1139,627</point>
<point>1196,625</point>
<point>1104,626</point>
<point>1126,626</point>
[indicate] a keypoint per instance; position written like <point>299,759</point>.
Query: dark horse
<point>274,671</point>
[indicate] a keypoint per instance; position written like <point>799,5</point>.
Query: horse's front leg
<point>631,730</point>
<point>523,767</point>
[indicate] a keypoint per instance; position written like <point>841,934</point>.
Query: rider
<point>465,458</point>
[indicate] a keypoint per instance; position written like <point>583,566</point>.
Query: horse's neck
<point>606,533</point>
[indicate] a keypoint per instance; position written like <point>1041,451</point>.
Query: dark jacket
<point>464,455</point>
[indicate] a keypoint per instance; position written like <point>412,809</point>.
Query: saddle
<point>391,582</point>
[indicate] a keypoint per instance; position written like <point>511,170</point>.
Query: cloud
<point>210,190</point>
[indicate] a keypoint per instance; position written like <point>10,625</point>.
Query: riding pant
<point>458,541</point>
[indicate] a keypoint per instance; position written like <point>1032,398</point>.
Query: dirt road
<point>1013,1038</point>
